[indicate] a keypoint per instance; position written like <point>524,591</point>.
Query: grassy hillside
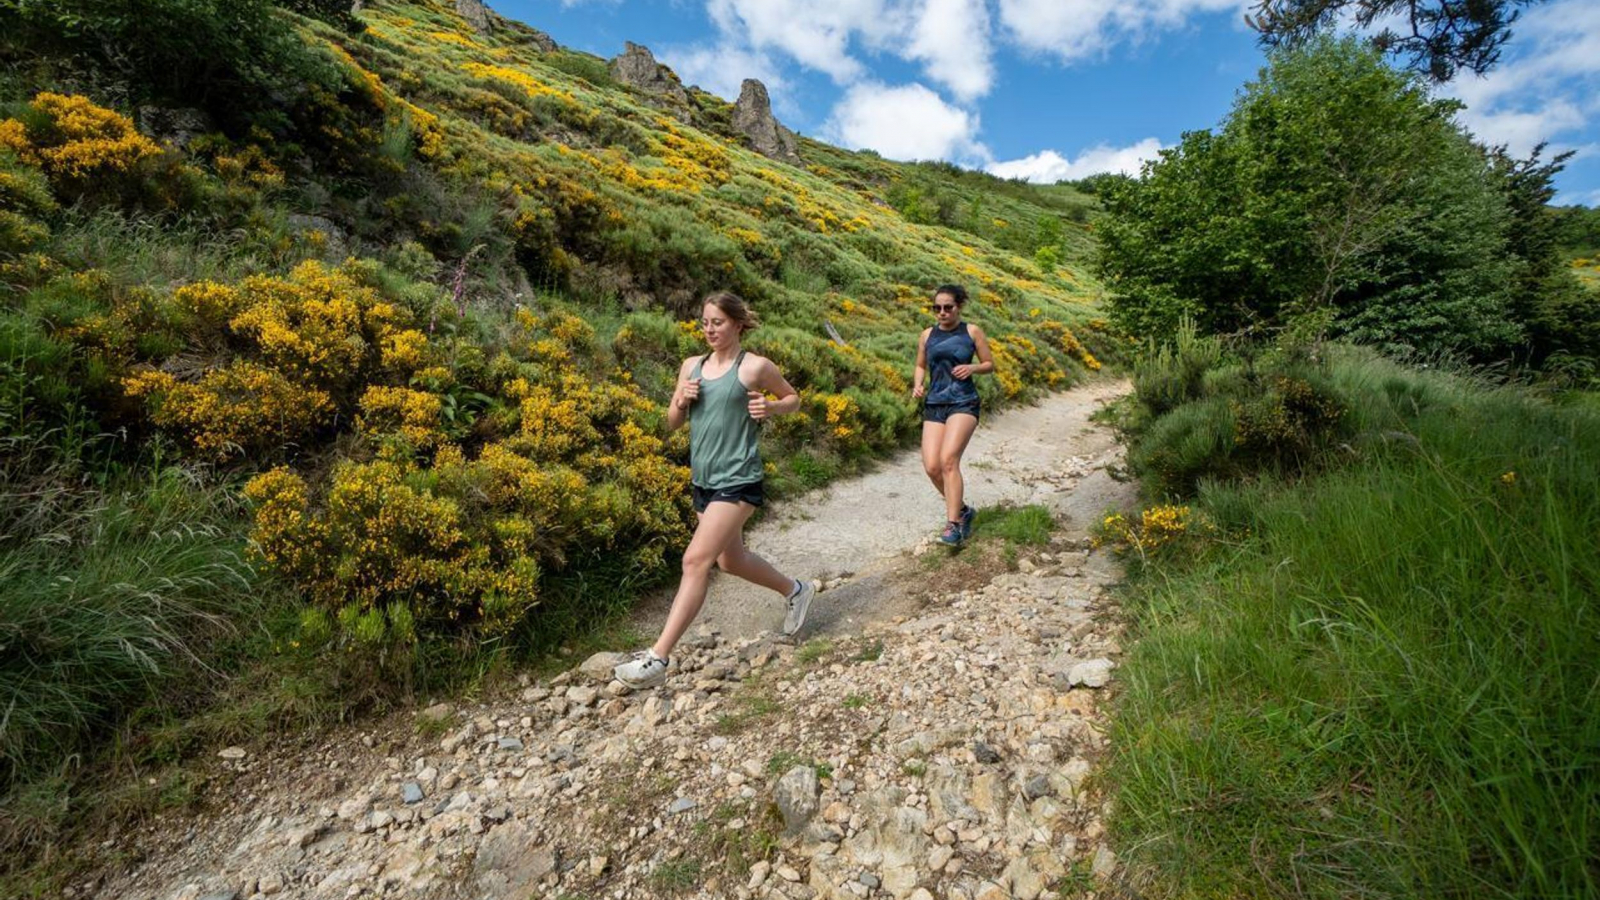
<point>332,358</point>
<point>1367,653</point>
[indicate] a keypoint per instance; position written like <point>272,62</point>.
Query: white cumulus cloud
<point>1048,166</point>
<point>951,39</point>
<point>904,122</point>
<point>1074,30</point>
<point>816,33</point>
<point>1547,86</point>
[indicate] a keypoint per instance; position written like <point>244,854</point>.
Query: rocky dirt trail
<point>931,734</point>
<point>854,536</point>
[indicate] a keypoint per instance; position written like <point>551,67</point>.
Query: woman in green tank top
<point>723,398</point>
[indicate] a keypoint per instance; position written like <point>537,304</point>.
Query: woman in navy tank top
<point>945,365</point>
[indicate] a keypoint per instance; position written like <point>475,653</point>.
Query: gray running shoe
<point>641,670</point>
<point>799,605</point>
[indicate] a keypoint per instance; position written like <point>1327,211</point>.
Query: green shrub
<point>582,65</point>
<point>1169,375</point>
<point>106,602</point>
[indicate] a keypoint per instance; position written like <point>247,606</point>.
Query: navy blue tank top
<point>945,351</point>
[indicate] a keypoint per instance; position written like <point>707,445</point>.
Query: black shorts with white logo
<point>753,494</point>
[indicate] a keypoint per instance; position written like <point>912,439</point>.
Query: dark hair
<point>956,292</point>
<point>735,308</point>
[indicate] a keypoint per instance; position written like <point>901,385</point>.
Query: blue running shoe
<point>967,515</point>
<point>952,535</point>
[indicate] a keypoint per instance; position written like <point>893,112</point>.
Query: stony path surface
<point>938,745</point>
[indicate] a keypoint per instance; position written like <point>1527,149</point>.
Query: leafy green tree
<point>1440,36</point>
<point>1577,228</point>
<point>1561,318</point>
<point>1336,190</point>
<point>226,56</point>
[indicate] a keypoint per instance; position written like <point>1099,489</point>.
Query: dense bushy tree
<point>1336,187</point>
<point>1440,36</point>
<point>1560,317</point>
<point>1577,227</point>
<point>226,56</point>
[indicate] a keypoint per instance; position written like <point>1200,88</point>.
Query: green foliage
<point>582,65</point>
<point>1030,525</point>
<point>1577,227</point>
<point>1377,680</point>
<point>1199,414</point>
<point>106,601</point>
<point>676,876</point>
<point>25,198</point>
<point>1334,184</point>
<point>223,55</point>
<point>814,651</point>
<point>1168,375</point>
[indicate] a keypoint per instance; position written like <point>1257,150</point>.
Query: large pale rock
<point>508,865</point>
<point>1094,673</point>
<point>637,68</point>
<point>990,796</point>
<point>534,36</point>
<point>1104,864</point>
<point>796,798</point>
<point>948,789</point>
<point>476,14</point>
<point>598,667</point>
<point>892,842</point>
<point>752,116</point>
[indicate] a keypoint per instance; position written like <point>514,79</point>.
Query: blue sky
<point>1049,89</point>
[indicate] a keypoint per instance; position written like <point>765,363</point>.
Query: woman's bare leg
<point>957,432</point>
<point>719,524</point>
<point>736,559</point>
<point>932,441</point>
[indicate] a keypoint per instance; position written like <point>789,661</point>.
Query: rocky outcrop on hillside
<point>175,127</point>
<point>476,14</point>
<point>637,68</point>
<point>752,116</point>
<point>534,36</point>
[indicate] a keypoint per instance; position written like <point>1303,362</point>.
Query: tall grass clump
<point>1380,679</point>
<point>110,600</point>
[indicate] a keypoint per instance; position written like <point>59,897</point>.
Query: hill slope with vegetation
<point>1363,655</point>
<point>333,349</point>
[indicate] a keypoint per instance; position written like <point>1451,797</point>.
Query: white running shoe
<point>799,604</point>
<point>641,670</point>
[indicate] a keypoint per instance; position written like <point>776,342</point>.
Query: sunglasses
<point>943,307</point>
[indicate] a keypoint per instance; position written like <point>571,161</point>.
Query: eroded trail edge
<point>925,738</point>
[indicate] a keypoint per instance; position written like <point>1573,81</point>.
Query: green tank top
<point>722,436</point>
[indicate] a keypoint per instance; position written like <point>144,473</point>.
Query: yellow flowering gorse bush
<point>241,409</point>
<point>300,346</point>
<point>1154,528</point>
<point>459,537</point>
<point>83,140</point>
